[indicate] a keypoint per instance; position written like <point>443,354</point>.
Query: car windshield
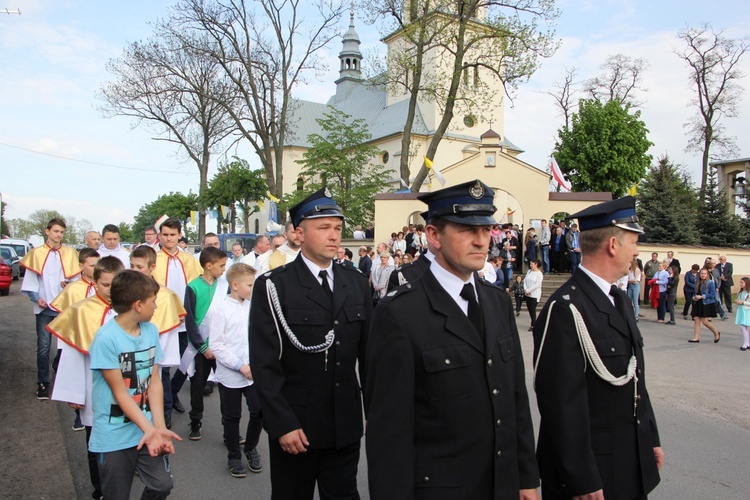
<point>5,252</point>
<point>20,249</point>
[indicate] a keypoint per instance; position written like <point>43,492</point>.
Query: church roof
<point>359,101</point>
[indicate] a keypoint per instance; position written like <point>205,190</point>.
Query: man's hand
<point>208,354</point>
<point>294,442</point>
<point>75,406</point>
<point>659,456</point>
<point>245,370</point>
<point>41,303</point>
<point>528,495</point>
<point>597,495</point>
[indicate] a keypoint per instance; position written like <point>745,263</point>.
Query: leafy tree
<point>605,148</point>
<point>715,224</point>
<point>667,204</point>
<point>498,39</point>
<point>127,233</point>
<point>235,186</point>
<point>340,160</point>
<point>713,59</point>
<point>175,205</point>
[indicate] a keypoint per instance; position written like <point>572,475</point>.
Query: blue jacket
<point>708,291</point>
<point>690,281</point>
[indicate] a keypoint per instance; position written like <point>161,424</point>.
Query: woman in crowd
<point>400,243</point>
<point>380,275</point>
<point>704,306</point>
<point>532,286</point>
<point>742,317</point>
<point>661,279</point>
<point>557,251</point>
<point>530,252</point>
<point>672,285</point>
<point>688,288</point>
<point>634,286</point>
<point>715,274</point>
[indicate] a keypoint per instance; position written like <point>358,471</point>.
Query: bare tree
<point>498,37</point>
<point>713,59</point>
<point>174,90</point>
<point>563,96</point>
<point>265,49</point>
<point>620,81</point>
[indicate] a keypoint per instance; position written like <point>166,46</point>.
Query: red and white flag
<point>558,175</point>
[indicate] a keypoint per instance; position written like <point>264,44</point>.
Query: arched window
<point>300,183</point>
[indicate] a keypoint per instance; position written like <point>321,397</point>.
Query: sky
<point>58,152</point>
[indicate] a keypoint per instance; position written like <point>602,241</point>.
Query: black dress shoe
<point>168,421</point>
<point>177,405</point>
<point>694,341</point>
<point>718,338</point>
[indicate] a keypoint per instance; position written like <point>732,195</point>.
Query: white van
<point>20,246</point>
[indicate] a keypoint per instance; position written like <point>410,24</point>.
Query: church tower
<point>350,71</point>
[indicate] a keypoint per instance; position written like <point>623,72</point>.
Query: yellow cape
<point>191,268</point>
<point>169,310</point>
<point>77,325</point>
<point>37,258</point>
<point>74,292</point>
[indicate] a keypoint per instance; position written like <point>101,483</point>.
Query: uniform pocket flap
<point>507,348</point>
<point>437,474</point>
<point>355,313</point>
<point>305,317</point>
<point>446,358</point>
<point>611,346</point>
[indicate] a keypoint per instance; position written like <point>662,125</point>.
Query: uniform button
<point>613,349</point>
<point>336,322</point>
<point>495,392</point>
<point>639,371</point>
<point>358,315</point>
<point>337,384</point>
<point>489,362</point>
<point>638,397</point>
<point>338,363</point>
<point>426,479</point>
<point>338,342</point>
<point>499,452</point>
<point>447,361</point>
<point>305,319</point>
<point>638,421</point>
<point>498,422</point>
<point>408,285</point>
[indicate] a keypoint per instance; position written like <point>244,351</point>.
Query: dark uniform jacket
<point>301,390</point>
<point>589,437</point>
<point>410,272</point>
<point>448,414</point>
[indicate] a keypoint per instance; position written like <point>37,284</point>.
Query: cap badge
<point>327,193</point>
<point>476,191</point>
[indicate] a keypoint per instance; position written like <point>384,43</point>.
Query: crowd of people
<point>323,340</point>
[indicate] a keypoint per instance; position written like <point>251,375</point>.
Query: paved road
<point>700,391</point>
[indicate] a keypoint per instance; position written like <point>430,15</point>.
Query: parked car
<point>20,246</point>
<point>11,258</point>
<point>5,277</point>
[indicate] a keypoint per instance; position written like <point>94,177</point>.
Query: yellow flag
<point>633,190</point>
<point>437,174</point>
<point>225,211</point>
<point>272,198</point>
<point>193,216</point>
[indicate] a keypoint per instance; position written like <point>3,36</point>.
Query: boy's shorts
<point>117,469</point>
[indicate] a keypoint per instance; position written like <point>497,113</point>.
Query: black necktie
<point>326,288</point>
<point>475,314</point>
<point>620,303</point>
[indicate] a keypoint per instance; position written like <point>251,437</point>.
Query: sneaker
<point>42,391</point>
<point>236,469</point>
<point>253,460</point>
<point>177,405</point>
<point>77,425</point>
<point>195,433</point>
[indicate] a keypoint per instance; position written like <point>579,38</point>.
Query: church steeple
<point>350,56</point>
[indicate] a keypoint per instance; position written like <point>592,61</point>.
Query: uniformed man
<point>448,412</point>
<point>308,332</point>
<point>598,436</point>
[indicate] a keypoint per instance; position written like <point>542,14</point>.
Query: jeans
<point>661,309</point>
<point>508,272</point>
<point>575,260</point>
<point>43,341</point>
<point>545,258</point>
<point>634,292</point>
